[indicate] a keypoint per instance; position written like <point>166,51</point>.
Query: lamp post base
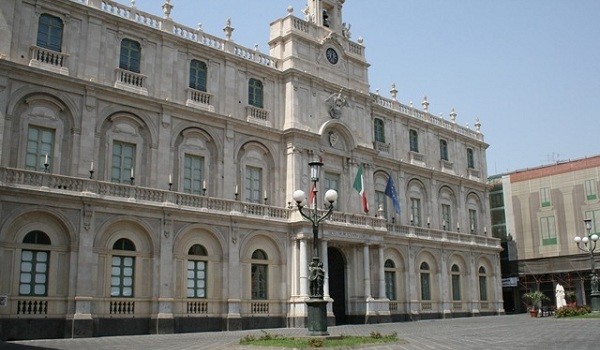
<point>595,299</point>
<point>317,317</point>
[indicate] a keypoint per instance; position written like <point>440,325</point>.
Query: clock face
<point>332,55</point>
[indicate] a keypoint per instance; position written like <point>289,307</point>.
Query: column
<point>303,265</point>
<point>446,298</point>
<point>325,261</point>
<point>381,274</point>
<point>497,283</point>
<point>366,271</point>
<point>474,296</point>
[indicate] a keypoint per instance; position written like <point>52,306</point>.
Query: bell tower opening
<point>326,13</point>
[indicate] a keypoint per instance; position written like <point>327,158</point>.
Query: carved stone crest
<point>336,102</point>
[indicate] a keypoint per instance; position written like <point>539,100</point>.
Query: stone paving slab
<point>507,332</point>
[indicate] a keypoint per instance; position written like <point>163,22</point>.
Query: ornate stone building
<point>147,172</point>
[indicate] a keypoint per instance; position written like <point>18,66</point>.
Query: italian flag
<point>359,186</point>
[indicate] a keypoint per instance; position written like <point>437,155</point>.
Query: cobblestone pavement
<point>508,332</point>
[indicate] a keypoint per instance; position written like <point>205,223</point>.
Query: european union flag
<point>390,191</point>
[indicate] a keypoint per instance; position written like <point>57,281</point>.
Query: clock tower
<point>320,42</point>
<point>319,59</point>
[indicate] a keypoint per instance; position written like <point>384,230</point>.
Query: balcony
<point>353,225</point>
<point>48,60</point>
<point>381,146</point>
<point>131,81</point>
<point>416,158</point>
<point>447,167</point>
<point>199,99</point>
<point>473,174</point>
<point>258,116</point>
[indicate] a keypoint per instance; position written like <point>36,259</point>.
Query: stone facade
<point>147,172</point>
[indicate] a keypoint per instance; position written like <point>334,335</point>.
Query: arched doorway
<point>337,283</point>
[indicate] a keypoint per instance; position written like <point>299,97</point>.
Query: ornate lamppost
<point>317,307</point>
<point>588,245</point>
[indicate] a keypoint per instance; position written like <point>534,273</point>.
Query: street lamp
<point>588,245</point>
<point>317,307</point>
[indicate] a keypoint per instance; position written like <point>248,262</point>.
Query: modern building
<point>537,213</point>
<point>147,172</point>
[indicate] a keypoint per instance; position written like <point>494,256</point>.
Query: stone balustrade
<point>75,186</point>
<point>425,116</point>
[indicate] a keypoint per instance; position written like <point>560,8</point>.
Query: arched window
<point>50,32</point>
<point>123,269</point>
<point>33,279</point>
<point>379,130</point>
<point>198,75</point>
<point>455,272</point>
<point>131,54</point>
<point>425,282</point>
<point>390,279</point>
<point>259,275</point>
<point>414,140</point>
<point>255,93</point>
<point>196,272</point>
<point>483,284</point>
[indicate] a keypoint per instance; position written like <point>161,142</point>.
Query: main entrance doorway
<point>337,283</point>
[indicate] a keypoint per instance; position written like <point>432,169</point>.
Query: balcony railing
<point>258,115</point>
<point>75,186</point>
<point>199,99</point>
<point>49,60</point>
<point>425,116</point>
<point>131,81</point>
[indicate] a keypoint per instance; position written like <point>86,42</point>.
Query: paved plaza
<point>508,332</point>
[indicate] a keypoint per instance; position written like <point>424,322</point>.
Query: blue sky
<point>529,69</point>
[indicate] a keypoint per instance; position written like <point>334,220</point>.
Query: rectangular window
<point>414,140</point>
<point>130,57</point>
<point>193,173</point>
<point>425,288</point>
<point>545,197</point>
<point>40,142</point>
<point>259,282</point>
<point>446,217</point>
<point>253,184</point>
<point>33,280</point>
<point>332,181</point>
<point>381,202</point>
<point>473,220</point>
<point>443,150</point>
<point>470,159</point>
<point>456,287</point>
<point>483,288</point>
<point>390,285</point>
<point>123,159</point>
<point>121,277</point>
<point>548,230</point>
<point>198,75</point>
<point>255,93</point>
<point>378,127</point>
<point>415,211</point>
<point>594,215</point>
<point>496,200</point>
<point>50,30</point>
<point>196,279</point>
<point>590,190</point>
